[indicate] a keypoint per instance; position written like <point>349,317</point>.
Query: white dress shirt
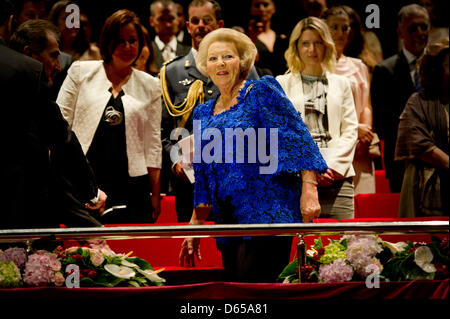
<point>170,48</point>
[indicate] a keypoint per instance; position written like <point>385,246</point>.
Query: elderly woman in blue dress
<point>235,181</point>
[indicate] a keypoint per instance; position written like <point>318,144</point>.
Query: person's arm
<point>155,183</point>
<point>416,138</point>
<point>436,157</point>
<point>365,121</point>
<point>309,199</point>
<point>365,134</point>
<point>68,93</point>
<point>152,144</point>
<point>190,248</point>
<point>345,143</point>
<point>66,151</point>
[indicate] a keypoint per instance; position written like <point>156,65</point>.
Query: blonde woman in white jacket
<point>325,102</point>
<point>115,111</point>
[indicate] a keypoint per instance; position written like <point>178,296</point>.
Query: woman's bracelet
<point>310,181</point>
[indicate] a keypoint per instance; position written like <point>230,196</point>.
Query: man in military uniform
<point>183,88</point>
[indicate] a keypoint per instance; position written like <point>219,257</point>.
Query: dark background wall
<point>288,13</point>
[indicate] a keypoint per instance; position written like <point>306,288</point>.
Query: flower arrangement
<point>15,254</point>
<point>9,275</point>
<point>12,260</point>
<point>355,257</point>
<point>102,267</point>
<point>95,264</point>
<point>411,261</point>
<point>42,269</point>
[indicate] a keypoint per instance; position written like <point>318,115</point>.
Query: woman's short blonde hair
<point>245,47</point>
<point>292,55</point>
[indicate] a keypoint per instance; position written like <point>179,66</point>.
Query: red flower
<point>92,274</point>
<point>441,268</point>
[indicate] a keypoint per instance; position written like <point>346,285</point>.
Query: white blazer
<point>342,120</point>
<point>83,98</point>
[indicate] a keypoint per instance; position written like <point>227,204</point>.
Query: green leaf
<point>344,243</point>
<point>133,283</point>
<point>415,273</point>
<point>289,270</point>
<point>143,264</point>
<point>318,243</point>
<point>117,260</point>
<point>159,284</point>
<point>292,278</point>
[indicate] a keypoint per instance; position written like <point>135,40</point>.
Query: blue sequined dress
<point>238,192</point>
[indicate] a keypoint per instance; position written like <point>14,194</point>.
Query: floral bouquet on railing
<point>102,267</point>
<point>362,257</point>
<point>82,266</point>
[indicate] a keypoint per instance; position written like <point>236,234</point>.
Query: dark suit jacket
<point>391,87</point>
<point>158,61</point>
<point>33,127</point>
<point>187,39</point>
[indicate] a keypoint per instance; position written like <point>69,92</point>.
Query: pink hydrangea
<point>337,271</point>
<point>59,279</point>
<point>16,255</point>
<point>361,252</point>
<point>40,269</point>
<point>373,267</point>
<point>96,257</point>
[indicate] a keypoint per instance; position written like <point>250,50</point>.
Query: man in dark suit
<point>393,82</point>
<point>180,75</point>
<point>183,35</point>
<point>164,20</point>
<point>33,128</point>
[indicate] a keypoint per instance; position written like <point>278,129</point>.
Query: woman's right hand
<point>326,179</point>
<point>309,203</point>
<point>179,172</point>
<point>189,249</point>
<point>365,134</point>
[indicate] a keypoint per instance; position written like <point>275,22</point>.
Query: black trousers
<point>184,199</point>
<point>258,259</point>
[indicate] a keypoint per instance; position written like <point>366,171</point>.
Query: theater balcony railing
<point>300,230</point>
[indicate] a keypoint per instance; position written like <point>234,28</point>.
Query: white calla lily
<point>120,271</point>
<point>423,257</point>
<point>152,274</point>
<point>128,264</point>
<point>396,247</point>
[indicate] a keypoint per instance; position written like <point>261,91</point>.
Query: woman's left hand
<point>156,203</point>
<point>309,202</point>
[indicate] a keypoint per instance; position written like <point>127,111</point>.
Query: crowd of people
<point>93,127</point>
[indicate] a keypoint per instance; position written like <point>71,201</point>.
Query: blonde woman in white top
<point>325,102</point>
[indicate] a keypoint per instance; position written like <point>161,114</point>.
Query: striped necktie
<point>167,53</point>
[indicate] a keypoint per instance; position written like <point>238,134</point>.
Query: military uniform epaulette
<point>171,60</point>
